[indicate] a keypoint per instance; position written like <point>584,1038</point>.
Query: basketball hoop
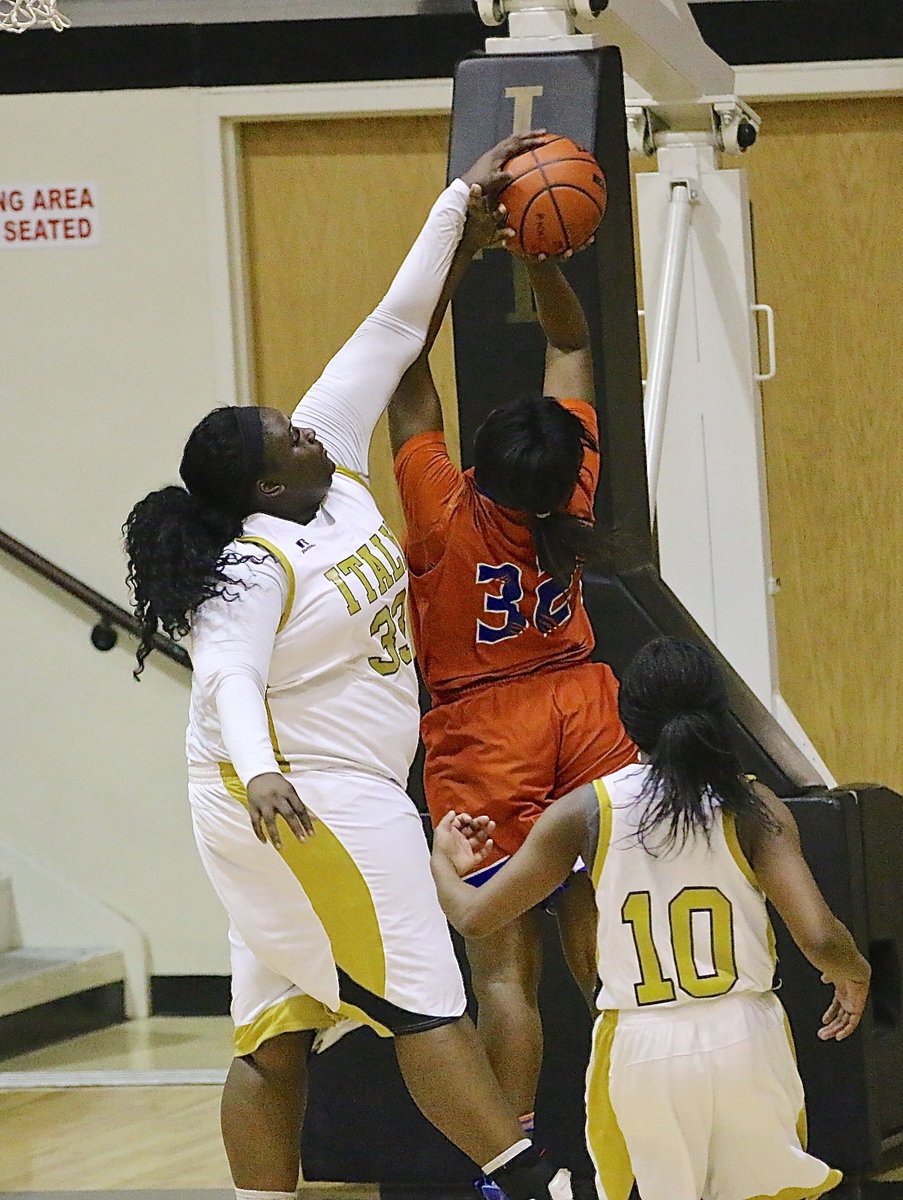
<point>18,15</point>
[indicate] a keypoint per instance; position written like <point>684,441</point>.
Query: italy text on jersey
<point>371,571</point>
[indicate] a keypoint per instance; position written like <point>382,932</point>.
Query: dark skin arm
<point>415,408</point>
<point>569,364</point>
<point>545,860</point>
<point>783,874</point>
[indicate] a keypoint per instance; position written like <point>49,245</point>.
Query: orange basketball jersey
<point>481,608</point>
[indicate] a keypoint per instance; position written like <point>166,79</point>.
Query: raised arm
<point>415,406</point>
<point>546,859</point>
<point>347,400</point>
<point>783,874</point>
<point>569,364</point>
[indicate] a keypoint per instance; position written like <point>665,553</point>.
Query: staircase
<point>47,994</point>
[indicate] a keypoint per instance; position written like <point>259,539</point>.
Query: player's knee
<point>512,984</point>
<point>282,1056</point>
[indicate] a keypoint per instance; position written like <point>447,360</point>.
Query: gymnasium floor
<point>119,1140</point>
<point>159,1141</point>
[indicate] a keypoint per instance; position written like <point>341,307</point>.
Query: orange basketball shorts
<point>510,749</point>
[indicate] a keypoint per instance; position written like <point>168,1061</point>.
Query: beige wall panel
<point>827,196</point>
<point>331,209</point>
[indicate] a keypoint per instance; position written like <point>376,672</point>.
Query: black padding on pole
<point>499,358</point>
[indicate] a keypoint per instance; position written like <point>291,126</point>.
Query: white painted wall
<point>107,362</point>
<point>110,355</point>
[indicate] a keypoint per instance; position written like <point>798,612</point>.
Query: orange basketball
<point>555,200</point>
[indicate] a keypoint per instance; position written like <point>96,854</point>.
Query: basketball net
<point>18,15</point>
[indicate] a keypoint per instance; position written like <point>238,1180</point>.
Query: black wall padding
<point>853,841</point>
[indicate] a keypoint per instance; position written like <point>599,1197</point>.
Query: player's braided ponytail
<point>674,705</point>
<point>528,456</point>
<point>175,538</point>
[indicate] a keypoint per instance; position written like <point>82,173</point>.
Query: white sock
<point>244,1194</point>
<point>505,1157</point>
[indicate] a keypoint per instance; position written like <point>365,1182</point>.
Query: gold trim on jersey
<point>832,1179</point>
<point>349,474</point>
<point>264,544</point>
<point>607,1147</point>
<point>604,830</point>
<point>729,823</point>
<point>281,760</point>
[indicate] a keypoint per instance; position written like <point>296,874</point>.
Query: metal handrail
<point>103,635</point>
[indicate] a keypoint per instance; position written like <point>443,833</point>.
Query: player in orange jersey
<point>520,714</point>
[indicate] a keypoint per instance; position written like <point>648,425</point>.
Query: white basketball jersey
<point>341,689</point>
<point>678,925</point>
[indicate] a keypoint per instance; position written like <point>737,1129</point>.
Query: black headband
<point>250,430</point>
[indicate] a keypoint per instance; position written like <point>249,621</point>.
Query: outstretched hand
<point>488,171</point>
<point>464,840</point>
<point>845,1011</point>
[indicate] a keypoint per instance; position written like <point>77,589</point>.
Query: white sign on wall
<point>37,215</point>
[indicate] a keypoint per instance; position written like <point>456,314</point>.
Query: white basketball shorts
<point>702,1101</point>
<point>346,924</point>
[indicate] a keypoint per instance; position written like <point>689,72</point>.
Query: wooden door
<point>331,209</point>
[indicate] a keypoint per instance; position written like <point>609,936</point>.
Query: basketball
<point>555,200</point>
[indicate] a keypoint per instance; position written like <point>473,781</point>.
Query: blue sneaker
<point>489,1190</point>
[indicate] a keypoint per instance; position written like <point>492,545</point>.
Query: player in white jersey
<point>303,723</point>
<point>692,1090</point>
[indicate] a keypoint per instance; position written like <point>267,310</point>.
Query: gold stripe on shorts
<point>293,1015</point>
<point>607,1147</point>
<point>832,1179</point>
<point>333,883</point>
<point>802,1121</point>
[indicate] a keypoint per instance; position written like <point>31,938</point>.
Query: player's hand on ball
<point>845,1011</point>
<point>556,258</point>
<point>465,841</point>
<point>271,796</point>
<point>488,171</point>
<point>485,225</point>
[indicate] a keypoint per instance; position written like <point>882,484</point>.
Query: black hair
<point>175,538</point>
<point>674,705</point>
<point>528,456</point>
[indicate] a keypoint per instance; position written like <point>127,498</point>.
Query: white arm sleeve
<point>351,395</point>
<point>231,647</point>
